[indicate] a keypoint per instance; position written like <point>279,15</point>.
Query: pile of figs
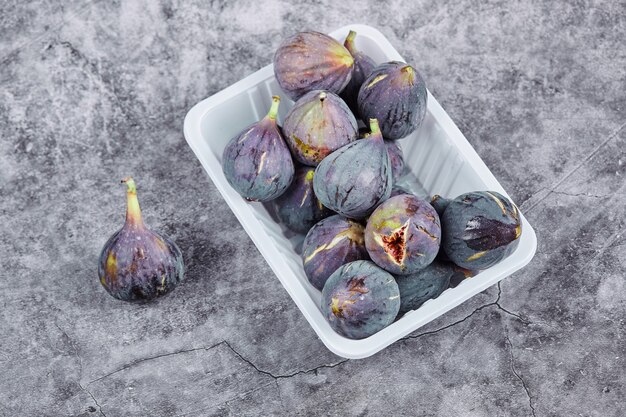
<point>332,171</point>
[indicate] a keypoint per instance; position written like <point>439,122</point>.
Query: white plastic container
<point>438,155</point>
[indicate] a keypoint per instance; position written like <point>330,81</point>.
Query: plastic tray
<point>441,162</point>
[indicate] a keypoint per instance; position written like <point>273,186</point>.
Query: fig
<point>319,123</point>
<point>137,264</point>
<point>354,179</point>
<point>298,208</point>
<point>257,162</point>
<point>439,203</point>
<point>363,66</point>
<point>480,229</point>
<point>396,158</point>
<point>360,299</point>
<point>403,234</point>
<point>395,94</point>
<point>461,274</point>
<point>329,244</point>
<point>425,284</point>
<point>310,61</point>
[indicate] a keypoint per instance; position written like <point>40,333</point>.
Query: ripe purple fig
<point>329,244</point>
<point>360,299</point>
<point>310,61</point>
<point>363,66</point>
<point>439,203</point>
<point>354,179</point>
<point>298,208</point>
<point>480,229</point>
<point>396,158</point>
<point>396,95</point>
<point>257,162</point>
<point>319,123</point>
<point>137,264</point>
<point>403,234</point>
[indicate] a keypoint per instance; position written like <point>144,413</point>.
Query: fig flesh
<point>396,95</point>
<point>363,66</point>
<point>360,299</point>
<point>257,162</point>
<point>329,244</point>
<point>137,264</point>
<point>298,208</point>
<point>310,61</point>
<point>480,229</point>
<point>354,179</point>
<point>318,124</point>
<point>403,234</point>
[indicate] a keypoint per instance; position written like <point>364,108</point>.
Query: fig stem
<point>374,128</point>
<point>349,42</point>
<point>274,108</point>
<point>133,212</point>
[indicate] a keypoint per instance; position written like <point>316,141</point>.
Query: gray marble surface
<point>93,91</point>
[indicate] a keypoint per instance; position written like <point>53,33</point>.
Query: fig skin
<point>403,234</point>
<point>329,244</point>
<point>137,264</point>
<point>360,299</point>
<point>439,203</point>
<point>310,61</point>
<point>298,208</point>
<point>426,284</point>
<point>363,67</point>
<point>396,157</point>
<point>319,123</point>
<point>396,95</point>
<point>356,178</point>
<point>257,162</point>
<point>480,229</point>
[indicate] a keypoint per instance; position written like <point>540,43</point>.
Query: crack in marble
<point>512,364</point>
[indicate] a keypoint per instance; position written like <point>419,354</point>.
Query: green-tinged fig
<point>329,244</point>
<point>480,229</point>
<point>310,61</point>
<point>426,284</point>
<point>363,66</point>
<point>319,123</point>
<point>396,95</point>
<point>137,264</point>
<point>396,158</point>
<point>403,234</point>
<point>439,203</point>
<point>360,299</point>
<point>257,162</point>
<point>298,208</point>
<point>356,178</point>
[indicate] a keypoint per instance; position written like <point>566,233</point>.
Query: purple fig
<point>403,234</point>
<point>363,66</point>
<point>460,275</point>
<point>396,158</point>
<point>439,203</point>
<point>480,229</point>
<point>298,208</point>
<point>354,179</point>
<point>396,95</point>
<point>137,264</point>
<point>360,299</point>
<point>425,284</point>
<point>257,162</point>
<point>329,244</point>
<point>310,61</point>
<point>319,123</point>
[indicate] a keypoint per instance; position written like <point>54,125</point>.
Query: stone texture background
<point>92,91</point>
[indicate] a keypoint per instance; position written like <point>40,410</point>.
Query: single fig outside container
<point>480,229</point>
<point>363,66</point>
<point>257,162</point>
<point>403,234</point>
<point>298,208</point>
<point>137,264</point>
<point>318,124</point>
<point>360,299</point>
<point>396,95</point>
<point>354,179</point>
<point>329,244</point>
<point>310,61</point>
